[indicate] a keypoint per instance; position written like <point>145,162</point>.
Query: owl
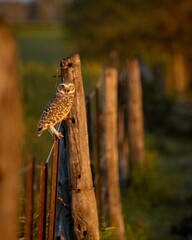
<point>57,109</point>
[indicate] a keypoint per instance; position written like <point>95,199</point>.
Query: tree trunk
<point>111,152</point>
<point>11,129</point>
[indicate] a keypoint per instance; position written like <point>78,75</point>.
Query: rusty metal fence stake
<point>52,212</point>
<point>42,202</point>
<point>29,198</point>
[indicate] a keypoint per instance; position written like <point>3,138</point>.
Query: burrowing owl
<point>57,109</point>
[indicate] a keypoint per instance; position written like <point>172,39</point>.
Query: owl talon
<point>54,131</point>
<point>59,135</point>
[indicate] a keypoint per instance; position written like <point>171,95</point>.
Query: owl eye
<point>61,87</point>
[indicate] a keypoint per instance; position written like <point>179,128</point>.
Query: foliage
<point>129,27</point>
<point>107,233</point>
<point>159,191</point>
<point>147,183</point>
<point>38,88</point>
<point>91,73</point>
<point>22,220</point>
<point>156,105</point>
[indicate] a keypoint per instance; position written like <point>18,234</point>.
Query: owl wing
<point>56,111</point>
<point>48,115</point>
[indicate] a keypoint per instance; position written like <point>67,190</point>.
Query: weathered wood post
<point>77,192</point>
<point>11,133</point>
<point>135,113</point>
<point>111,152</point>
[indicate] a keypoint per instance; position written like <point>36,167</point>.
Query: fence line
<point>71,178</point>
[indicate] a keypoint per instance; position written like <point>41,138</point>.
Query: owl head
<point>66,88</point>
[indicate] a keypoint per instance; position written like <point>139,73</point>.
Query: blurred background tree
<point>158,32</point>
<point>129,26</point>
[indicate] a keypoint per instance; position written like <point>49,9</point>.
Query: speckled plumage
<point>57,109</point>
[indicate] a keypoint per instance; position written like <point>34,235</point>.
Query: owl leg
<point>58,134</point>
<point>52,134</point>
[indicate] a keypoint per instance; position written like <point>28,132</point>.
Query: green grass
<point>46,46</point>
<point>38,88</point>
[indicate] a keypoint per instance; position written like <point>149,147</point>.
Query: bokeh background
<point>159,34</point>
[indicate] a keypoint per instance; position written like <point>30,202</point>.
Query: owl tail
<point>40,130</point>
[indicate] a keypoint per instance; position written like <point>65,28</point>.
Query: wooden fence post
<point>29,198</point>
<point>111,152</point>
<point>43,202</point>
<point>82,202</point>
<point>135,113</point>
